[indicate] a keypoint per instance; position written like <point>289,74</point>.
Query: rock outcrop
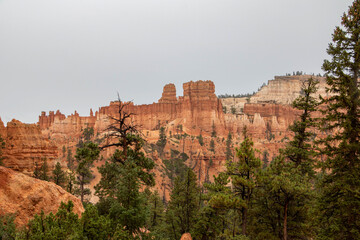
<point>25,196</point>
<point>25,146</point>
<point>186,236</point>
<point>169,94</point>
<point>285,89</point>
<point>266,115</point>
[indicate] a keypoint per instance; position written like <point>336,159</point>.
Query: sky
<point>78,54</point>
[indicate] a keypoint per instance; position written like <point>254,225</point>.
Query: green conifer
<point>340,203</point>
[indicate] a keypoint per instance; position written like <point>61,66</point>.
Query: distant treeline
<point>299,73</point>
<point>236,95</point>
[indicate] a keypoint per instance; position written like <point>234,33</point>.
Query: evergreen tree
<point>339,203</point>
<point>265,159</point>
<point>300,150</point>
<point>85,157</point>
<point>58,175</point>
<point>94,225</point>
<point>129,208</point>
<point>212,220</point>
<point>286,192</point>
<point>183,206</point>
<point>243,174</point>
<point>87,134</point>
<point>70,185</point>
<point>41,172</point>
<point>213,132</point>
<point>162,140</point>
<point>36,173</point>
<point>45,170</point>
<point>7,227</point>
<point>156,211</point>
<point>212,145</point>
<point>63,225</point>
<point>228,153</point>
<point>122,177</point>
<point>64,151</point>
<point>175,166</point>
<point>282,202</point>
<point>201,140</point>
<point>70,159</point>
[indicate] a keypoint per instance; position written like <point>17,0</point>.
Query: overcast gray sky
<point>77,54</point>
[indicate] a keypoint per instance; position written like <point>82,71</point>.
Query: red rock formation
<point>197,112</point>
<point>25,146</point>
<point>169,94</point>
<point>186,236</point>
<point>2,129</point>
<point>26,196</point>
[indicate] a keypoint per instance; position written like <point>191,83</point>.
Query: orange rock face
<point>186,236</point>
<point>169,94</point>
<point>26,196</point>
<point>184,118</point>
<point>25,146</point>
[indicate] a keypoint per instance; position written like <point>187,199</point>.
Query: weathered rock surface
<point>25,146</point>
<point>169,94</point>
<point>26,196</point>
<point>266,116</point>
<point>186,236</point>
<point>285,89</point>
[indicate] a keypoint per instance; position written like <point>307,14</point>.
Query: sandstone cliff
<point>266,116</point>
<point>25,196</point>
<point>25,146</point>
<point>285,89</point>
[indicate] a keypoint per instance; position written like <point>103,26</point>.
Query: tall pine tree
<point>340,201</point>
<point>243,173</point>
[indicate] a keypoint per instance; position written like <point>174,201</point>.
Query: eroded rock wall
<point>285,89</point>
<point>25,146</point>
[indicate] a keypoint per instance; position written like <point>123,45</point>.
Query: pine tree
<point>286,192</point>
<point>340,203</point>
<point>201,140</point>
<point>213,132</point>
<point>212,220</point>
<point>228,147</point>
<point>212,145</point>
<point>123,176</point>
<point>36,173</point>
<point>265,159</point>
<point>87,134</point>
<point>243,174</point>
<point>70,185</point>
<point>44,171</point>
<point>85,157</point>
<point>300,150</point>
<point>70,159</point>
<point>129,208</point>
<point>64,151</point>
<point>183,205</point>
<point>58,175</point>
<point>162,140</point>
<point>41,172</point>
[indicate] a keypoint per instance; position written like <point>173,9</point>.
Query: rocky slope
<point>25,196</point>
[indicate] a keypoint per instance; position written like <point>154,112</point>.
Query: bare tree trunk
<point>285,219</point>
<point>244,220</point>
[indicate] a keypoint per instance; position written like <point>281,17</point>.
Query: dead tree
<point>122,129</point>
